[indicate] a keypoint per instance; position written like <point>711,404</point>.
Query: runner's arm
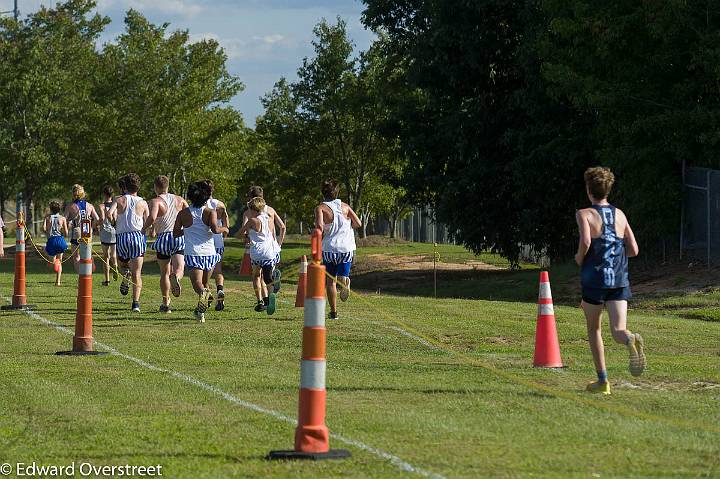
<point>281,226</point>
<point>94,214</point>
<point>585,240</point>
<point>213,224</point>
<point>224,216</point>
<point>112,212</point>
<point>319,221</point>
<point>101,215</point>
<point>245,228</point>
<point>152,214</point>
<point>631,247</point>
<point>178,228</point>
<point>354,220</point>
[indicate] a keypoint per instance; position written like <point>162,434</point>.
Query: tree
<point>647,71</point>
<point>161,96</point>
<point>327,124</point>
<point>477,125</point>
<point>46,104</point>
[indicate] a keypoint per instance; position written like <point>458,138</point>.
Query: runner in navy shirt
<point>606,242</point>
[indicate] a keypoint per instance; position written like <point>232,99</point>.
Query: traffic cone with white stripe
<point>19,299</point>
<point>83,338</point>
<point>302,284</point>
<point>246,267</point>
<point>311,434</point>
<point>547,346</point>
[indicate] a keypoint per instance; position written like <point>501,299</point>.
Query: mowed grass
<point>462,402</point>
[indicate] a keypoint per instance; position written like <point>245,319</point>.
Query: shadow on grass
<point>500,285</point>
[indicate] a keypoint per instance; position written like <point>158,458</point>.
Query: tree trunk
<point>364,217</point>
<point>2,202</point>
<point>393,225</point>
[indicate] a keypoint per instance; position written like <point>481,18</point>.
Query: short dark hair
<point>330,189</point>
<point>108,190</point>
<point>198,193</point>
<point>255,191</point>
<point>211,185</point>
<point>132,183</point>
<point>162,182</point>
<point>55,207</point>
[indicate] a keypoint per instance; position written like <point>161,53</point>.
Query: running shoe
<point>135,307</point>
<point>333,315</point>
<point>344,288</point>
<point>598,388</point>
<point>636,348</point>
<point>260,306</point>
<point>165,308</point>
<point>106,283</point>
<point>175,285</point>
<point>220,305</point>
<point>272,303</point>
<point>204,301</point>
<point>276,276</point>
<point>125,285</point>
<point>200,316</point>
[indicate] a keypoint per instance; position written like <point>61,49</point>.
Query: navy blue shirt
<point>606,265</point>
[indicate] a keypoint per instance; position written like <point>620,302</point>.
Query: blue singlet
<point>606,265</point>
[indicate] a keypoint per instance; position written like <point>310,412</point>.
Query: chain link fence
<point>700,218</point>
<point>419,226</point>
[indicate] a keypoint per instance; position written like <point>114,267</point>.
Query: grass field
<point>416,386</point>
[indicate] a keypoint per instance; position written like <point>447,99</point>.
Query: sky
<point>264,39</point>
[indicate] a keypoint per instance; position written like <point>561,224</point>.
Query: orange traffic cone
<point>246,267</point>
<point>19,300</point>
<point>83,338</point>
<point>312,435</point>
<point>302,284</point>
<point>547,347</point>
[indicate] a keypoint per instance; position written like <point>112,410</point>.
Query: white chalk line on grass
<point>397,329</point>
<point>395,460</point>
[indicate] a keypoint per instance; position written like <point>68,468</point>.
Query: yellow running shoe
<point>598,387</point>
<point>636,348</point>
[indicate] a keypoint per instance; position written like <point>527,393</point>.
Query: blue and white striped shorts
<point>166,244</point>
<point>205,263</point>
<point>337,258</point>
<point>220,251</point>
<point>266,262</point>
<point>131,245</point>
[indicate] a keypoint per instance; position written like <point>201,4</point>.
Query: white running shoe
<point>636,348</point>
<point>175,285</point>
<point>345,288</point>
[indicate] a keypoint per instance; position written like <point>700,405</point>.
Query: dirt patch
<point>674,278</point>
<point>379,241</point>
<point>390,273</point>
<point>668,386</point>
<point>384,262</point>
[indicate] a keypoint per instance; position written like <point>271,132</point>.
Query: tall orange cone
<point>19,299</point>
<point>311,434</point>
<point>302,284</point>
<point>547,346</point>
<point>83,338</point>
<point>246,267</point>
